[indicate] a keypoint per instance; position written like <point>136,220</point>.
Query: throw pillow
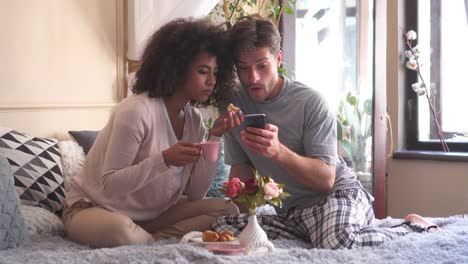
<point>85,138</point>
<point>41,221</point>
<point>72,159</point>
<point>37,168</point>
<point>11,218</point>
<point>222,174</point>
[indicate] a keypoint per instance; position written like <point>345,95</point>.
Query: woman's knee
<point>112,236</point>
<point>129,234</point>
<point>231,208</point>
<point>221,207</point>
<point>99,228</point>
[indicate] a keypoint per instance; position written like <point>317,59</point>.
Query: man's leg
<point>187,216</point>
<point>275,226</point>
<point>425,223</point>
<point>343,221</point>
<point>98,227</point>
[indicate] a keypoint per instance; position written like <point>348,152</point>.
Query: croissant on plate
<point>225,236</point>
<point>210,236</point>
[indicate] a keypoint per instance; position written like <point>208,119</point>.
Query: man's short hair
<point>252,32</point>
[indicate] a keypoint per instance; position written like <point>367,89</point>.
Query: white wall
<point>431,188</point>
<point>62,64</point>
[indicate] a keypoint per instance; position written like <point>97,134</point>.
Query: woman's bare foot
<point>430,227</point>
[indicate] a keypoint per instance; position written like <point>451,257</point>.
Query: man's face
<point>258,72</point>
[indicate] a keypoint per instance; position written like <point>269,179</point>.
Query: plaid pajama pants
<point>342,220</point>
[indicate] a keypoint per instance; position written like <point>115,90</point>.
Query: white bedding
<point>450,245</point>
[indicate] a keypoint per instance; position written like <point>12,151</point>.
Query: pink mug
<point>210,150</point>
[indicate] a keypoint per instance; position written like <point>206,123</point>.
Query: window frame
<point>411,106</point>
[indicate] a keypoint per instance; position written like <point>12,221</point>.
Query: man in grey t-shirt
<point>298,147</point>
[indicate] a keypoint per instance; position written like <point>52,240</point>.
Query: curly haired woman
<point>143,179</point>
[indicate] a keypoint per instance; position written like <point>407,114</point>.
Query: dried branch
<point>431,105</point>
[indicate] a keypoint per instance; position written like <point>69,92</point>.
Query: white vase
<point>253,236</point>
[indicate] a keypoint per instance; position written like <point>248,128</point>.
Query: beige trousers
<point>99,227</point>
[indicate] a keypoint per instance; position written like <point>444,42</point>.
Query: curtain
<point>146,16</point>
<point>466,10</point>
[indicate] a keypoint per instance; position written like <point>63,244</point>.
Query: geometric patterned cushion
<point>37,169</point>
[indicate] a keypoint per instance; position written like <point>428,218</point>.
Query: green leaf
<point>368,107</point>
<point>288,10</point>
<point>339,130</point>
<point>352,99</point>
<point>209,123</point>
<point>282,71</point>
<point>274,202</point>
<point>259,195</point>
<point>348,148</point>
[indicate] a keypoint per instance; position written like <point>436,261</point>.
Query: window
<point>442,28</point>
<point>328,46</point>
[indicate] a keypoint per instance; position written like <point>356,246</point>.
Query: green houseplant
<point>354,129</point>
<point>232,10</point>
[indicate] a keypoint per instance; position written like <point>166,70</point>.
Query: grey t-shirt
<point>306,125</point>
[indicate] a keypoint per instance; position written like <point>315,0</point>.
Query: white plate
<point>199,240</point>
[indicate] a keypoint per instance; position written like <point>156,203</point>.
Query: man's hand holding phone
<point>260,137</point>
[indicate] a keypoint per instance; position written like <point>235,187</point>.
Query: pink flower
<point>234,187</point>
<point>251,185</point>
<point>271,190</point>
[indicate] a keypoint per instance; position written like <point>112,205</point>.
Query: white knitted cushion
<point>72,159</point>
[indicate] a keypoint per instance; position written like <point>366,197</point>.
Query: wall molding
<point>55,106</point>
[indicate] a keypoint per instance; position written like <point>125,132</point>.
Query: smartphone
<point>255,120</point>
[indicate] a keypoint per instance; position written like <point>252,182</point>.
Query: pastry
<point>210,236</point>
<point>225,236</point>
<point>233,108</point>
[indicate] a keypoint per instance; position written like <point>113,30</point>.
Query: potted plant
<point>229,11</point>
<point>354,130</point>
<point>232,10</point>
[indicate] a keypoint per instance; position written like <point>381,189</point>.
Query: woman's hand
<point>226,122</point>
<point>181,153</point>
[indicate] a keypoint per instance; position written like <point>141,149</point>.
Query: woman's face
<point>201,78</point>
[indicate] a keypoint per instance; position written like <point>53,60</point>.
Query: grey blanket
<point>449,245</point>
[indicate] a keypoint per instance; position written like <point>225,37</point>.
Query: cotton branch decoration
<point>420,87</point>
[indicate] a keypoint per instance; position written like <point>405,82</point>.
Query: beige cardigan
<point>125,170</point>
